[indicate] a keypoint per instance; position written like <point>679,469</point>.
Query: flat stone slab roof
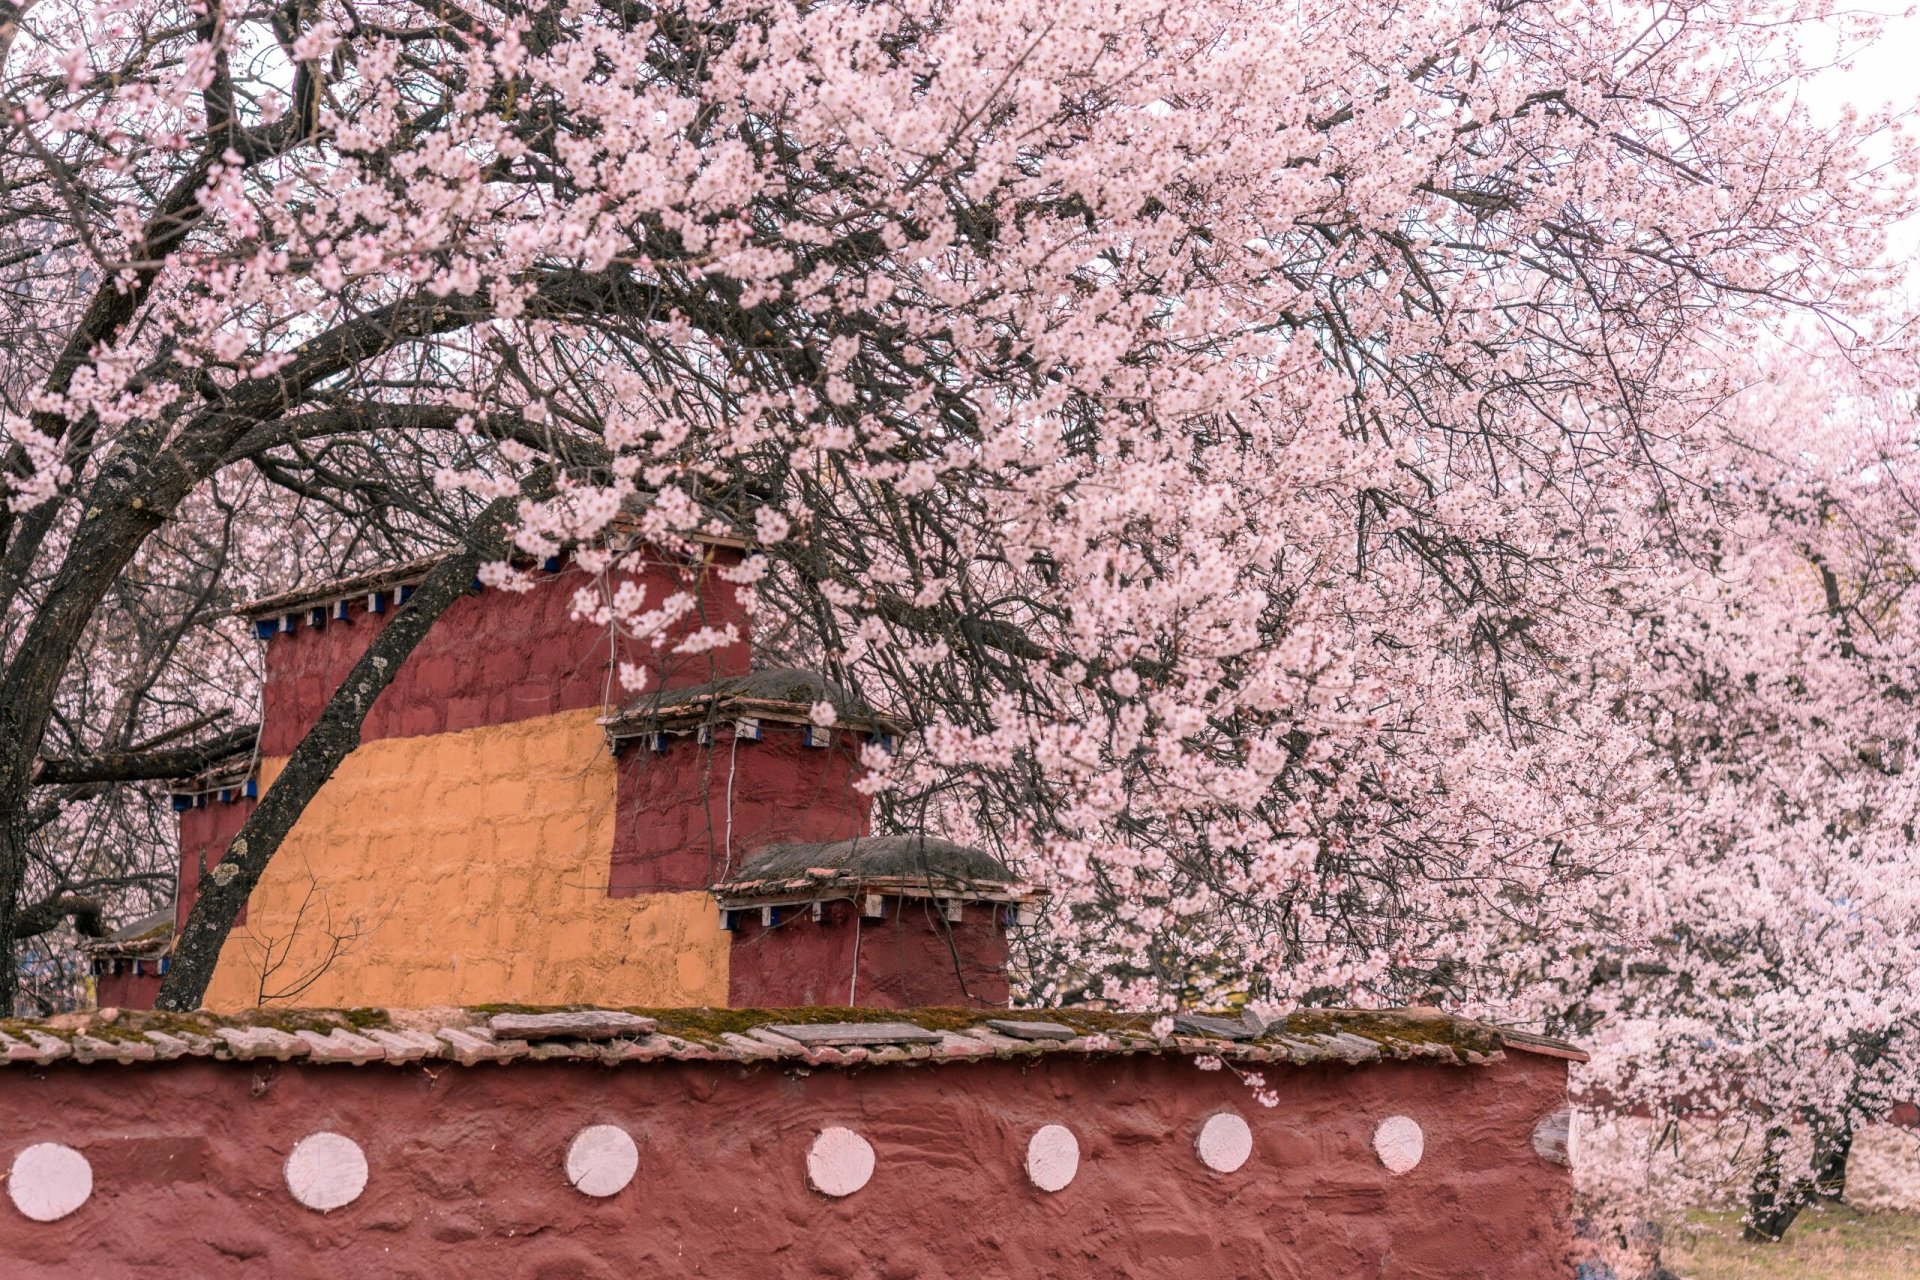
<point>808,1037</point>
<point>777,693</point>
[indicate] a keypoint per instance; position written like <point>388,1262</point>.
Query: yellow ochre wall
<point>467,868</point>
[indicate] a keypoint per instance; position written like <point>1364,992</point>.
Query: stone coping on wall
<point>838,1037</point>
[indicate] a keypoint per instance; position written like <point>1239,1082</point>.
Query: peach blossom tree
<point>1755,979</point>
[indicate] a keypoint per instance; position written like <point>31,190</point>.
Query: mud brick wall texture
<point>467,867</point>
<point>205,832</point>
<point>462,853</point>
<point>691,814</point>
<point>910,957</point>
<point>127,990</point>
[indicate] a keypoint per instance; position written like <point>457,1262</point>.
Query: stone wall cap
<point>1201,1024</point>
<point>581,1024</point>
<point>804,1037</point>
<point>1021,1029</point>
<point>854,1032</point>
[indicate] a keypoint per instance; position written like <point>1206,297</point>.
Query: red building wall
<point>205,832</point>
<point>912,957</point>
<point>127,990</point>
<point>494,658</point>
<point>674,805</point>
<point>466,1174</point>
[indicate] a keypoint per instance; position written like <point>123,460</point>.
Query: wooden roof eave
<point>740,895</point>
<point>709,709</point>
<point>223,775</point>
<point>411,573</point>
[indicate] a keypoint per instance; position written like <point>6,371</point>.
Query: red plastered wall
<point>205,833</point>
<point>912,957</point>
<point>126,991</point>
<point>466,1171</point>
<point>495,657</point>
<point>673,805</point>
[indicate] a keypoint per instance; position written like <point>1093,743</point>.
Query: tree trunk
<point>1774,1201</point>
<point>32,679</point>
<point>13,876</point>
<point>224,890</point>
<point>151,470</point>
<point>1830,1175</point>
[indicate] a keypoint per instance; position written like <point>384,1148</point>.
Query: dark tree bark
<point>43,917</point>
<point>1830,1177</point>
<point>141,766</point>
<point>224,889</point>
<point>1774,1200</point>
<point>28,689</point>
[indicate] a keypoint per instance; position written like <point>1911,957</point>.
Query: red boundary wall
<point>466,1174</point>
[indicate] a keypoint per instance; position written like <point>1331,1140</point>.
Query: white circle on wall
<point>1399,1143</point>
<point>1224,1143</point>
<point>1053,1157</point>
<point>602,1159</point>
<point>840,1161</point>
<point>49,1181</point>
<point>326,1171</point>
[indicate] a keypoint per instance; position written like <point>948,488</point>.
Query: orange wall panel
<point>466,868</point>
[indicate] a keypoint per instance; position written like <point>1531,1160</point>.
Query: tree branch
<point>143,766</point>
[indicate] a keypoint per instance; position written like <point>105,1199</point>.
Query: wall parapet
<point>779,1142</point>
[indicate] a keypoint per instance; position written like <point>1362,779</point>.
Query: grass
<point>1824,1244</point>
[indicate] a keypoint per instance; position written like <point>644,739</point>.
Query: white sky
<point>1883,74</point>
